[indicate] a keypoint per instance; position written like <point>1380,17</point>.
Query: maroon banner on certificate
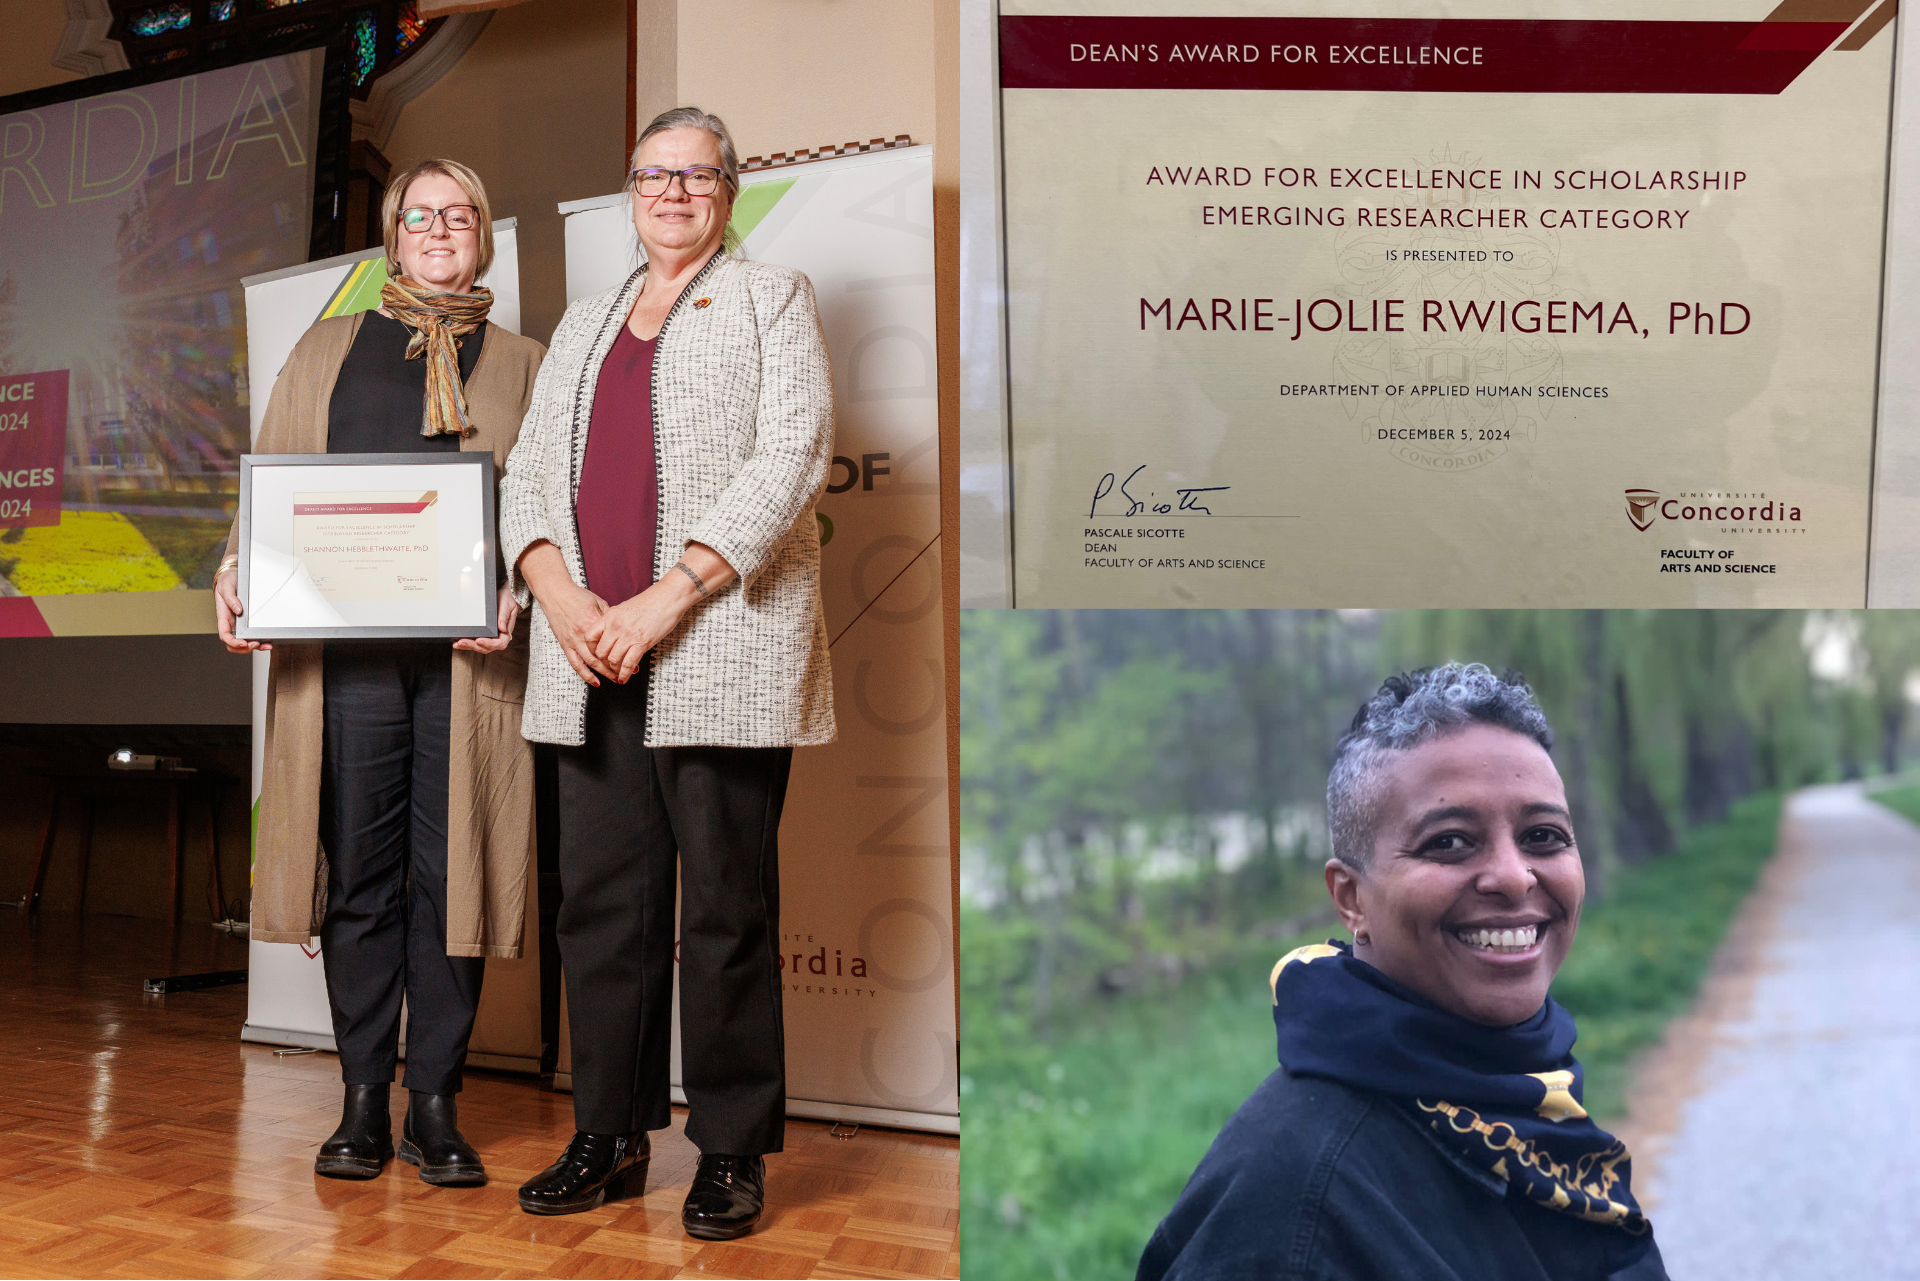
<point>33,447</point>
<point>1408,55</point>
<point>426,500</point>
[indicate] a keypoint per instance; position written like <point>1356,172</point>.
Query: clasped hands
<point>611,640</point>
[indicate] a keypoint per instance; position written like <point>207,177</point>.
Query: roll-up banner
<point>1491,303</point>
<point>865,859</point>
<point>286,984</point>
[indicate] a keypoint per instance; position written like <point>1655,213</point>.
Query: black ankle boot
<point>364,1139</point>
<point>594,1169</point>
<point>724,1201</point>
<point>430,1138</point>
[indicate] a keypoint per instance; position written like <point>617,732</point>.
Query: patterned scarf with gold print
<point>1505,1098</point>
<point>438,322</point>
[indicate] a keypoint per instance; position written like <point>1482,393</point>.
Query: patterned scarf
<point>1506,1098</point>
<point>437,322</point>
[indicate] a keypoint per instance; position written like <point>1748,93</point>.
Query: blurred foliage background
<point>1143,833</point>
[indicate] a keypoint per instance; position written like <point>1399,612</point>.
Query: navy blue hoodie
<point>1312,1180</point>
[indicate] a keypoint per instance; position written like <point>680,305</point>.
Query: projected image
<point>126,223</point>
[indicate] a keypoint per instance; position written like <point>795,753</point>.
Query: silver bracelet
<point>698,586</point>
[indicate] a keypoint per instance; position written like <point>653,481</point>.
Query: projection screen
<point>126,222</point>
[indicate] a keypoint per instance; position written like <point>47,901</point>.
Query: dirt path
<point>1774,1131</point>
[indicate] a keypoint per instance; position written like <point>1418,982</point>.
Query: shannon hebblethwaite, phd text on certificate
<point>369,546</point>
<point>1577,310</point>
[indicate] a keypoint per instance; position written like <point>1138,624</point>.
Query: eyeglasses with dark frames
<point>698,180</point>
<point>419,218</point>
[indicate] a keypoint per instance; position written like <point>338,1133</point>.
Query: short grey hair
<point>1408,710</point>
<point>692,118</point>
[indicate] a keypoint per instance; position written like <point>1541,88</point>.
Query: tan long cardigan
<point>490,774</point>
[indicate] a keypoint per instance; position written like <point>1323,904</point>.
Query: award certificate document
<point>1464,303</point>
<point>369,546</point>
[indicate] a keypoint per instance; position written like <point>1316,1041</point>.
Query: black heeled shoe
<point>725,1199</point>
<point>594,1169</point>
<point>364,1140</point>
<point>430,1138</point>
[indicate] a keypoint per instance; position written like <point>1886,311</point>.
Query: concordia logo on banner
<point>1640,507</point>
<point>813,963</point>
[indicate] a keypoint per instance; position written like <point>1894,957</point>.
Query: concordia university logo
<point>1715,507</point>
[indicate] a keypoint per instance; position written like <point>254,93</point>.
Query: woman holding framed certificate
<point>658,516</point>
<point>396,811</point>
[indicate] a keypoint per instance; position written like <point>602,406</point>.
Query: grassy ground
<point>1073,1147</point>
<point>1904,801</point>
<point>191,545</point>
<point>85,552</point>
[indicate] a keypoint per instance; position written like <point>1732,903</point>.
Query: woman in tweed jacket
<point>658,512</point>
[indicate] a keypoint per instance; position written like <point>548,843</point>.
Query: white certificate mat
<point>374,549</point>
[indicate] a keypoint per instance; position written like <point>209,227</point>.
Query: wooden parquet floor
<point>140,1138</point>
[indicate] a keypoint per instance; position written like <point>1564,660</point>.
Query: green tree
<point>1891,641</point>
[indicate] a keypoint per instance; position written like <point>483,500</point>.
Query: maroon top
<point>619,502</point>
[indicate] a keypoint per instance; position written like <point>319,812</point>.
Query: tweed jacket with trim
<point>743,433</point>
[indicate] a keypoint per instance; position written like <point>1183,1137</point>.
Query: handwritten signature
<point>1187,502</point>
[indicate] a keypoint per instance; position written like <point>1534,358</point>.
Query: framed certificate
<point>367,546</point>
<point>1482,303</point>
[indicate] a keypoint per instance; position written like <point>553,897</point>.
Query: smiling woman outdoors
<point>1426,1117</point>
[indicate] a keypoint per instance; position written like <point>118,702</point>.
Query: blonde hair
<point>476,195</point>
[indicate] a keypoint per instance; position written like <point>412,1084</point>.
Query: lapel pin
<point>703,302</point>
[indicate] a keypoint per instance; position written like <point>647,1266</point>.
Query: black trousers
<point>625,811</point>
<point>383,822</point>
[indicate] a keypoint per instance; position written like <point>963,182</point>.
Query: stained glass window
<point>363,46</point>
<point>410,26</point>
<point>380,33</point>
<point>168,17</point>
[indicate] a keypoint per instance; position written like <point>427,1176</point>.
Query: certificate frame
<point>1360,519</point>
<point>470,487</point>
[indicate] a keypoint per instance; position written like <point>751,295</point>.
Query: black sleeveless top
<point>379,400</point>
